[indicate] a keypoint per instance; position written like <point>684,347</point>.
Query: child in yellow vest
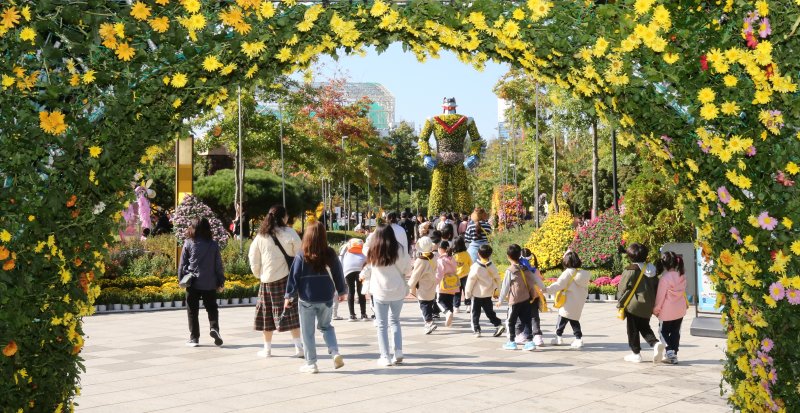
<point>463,265</point>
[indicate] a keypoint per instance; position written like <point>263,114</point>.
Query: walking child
<point>519,289</point>
<point>573,284</point>
<point>482,281</point>
<point>671,304</point>
<point>423,281</point>
<point>353,259</point>
<point>637,297</point>
<point>529,262</point>
<point>463,265</point>
<point>448,282</point>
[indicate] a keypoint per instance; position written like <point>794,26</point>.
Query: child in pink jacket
<point>446,268</point>
<point>671,304</point>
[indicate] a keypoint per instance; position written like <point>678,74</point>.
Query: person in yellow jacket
<point>463,265</point>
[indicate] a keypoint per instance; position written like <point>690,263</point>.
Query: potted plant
<point>178,296</point>
<point>609,291</point>
<point>593,292</point>
<point>127,300</point>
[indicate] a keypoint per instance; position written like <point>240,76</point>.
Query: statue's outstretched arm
<point>475,146</point>
<point>425,146</point>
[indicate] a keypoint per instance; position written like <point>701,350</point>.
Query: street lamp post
<point>283,172</point>
<point>344,191</point>
<point>369,205</point>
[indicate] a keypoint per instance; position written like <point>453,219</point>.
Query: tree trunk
<point>595,160</point>
<point>555,174</point>
<point>536,177</point>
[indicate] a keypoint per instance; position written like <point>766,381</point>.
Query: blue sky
<point>418,88</point>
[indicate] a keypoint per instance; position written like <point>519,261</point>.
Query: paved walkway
<point>137,362</point>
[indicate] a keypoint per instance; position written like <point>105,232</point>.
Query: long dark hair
<point>200,229</point>
<point>315,246</point>
<point>477,216</point>
<point>383,249</point>
<point>459,244</point>
<point>527,254</point>
<point>273,220</point>
<point>672,261</point>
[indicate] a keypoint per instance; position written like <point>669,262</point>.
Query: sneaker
<point>456,310</point>
<point>658,352</point>
<point>577,344</point>
<point>338,361</point>
<point>429,328</point>
<point>337,317</point>
<point>264,353</point>
<point>557,341</point>
<point>510,346</point>
<point>468,309</point>
<point>309,368</point>
<point>529,346</point>
<point>477,334</point>
<point>365,317</point>
<point>520,339</point>
<point>449,320</point>
<point>499,330</point>
<point>384,362</point>
<point>673,359</point>
<point>299,353</point>
<point>634,358</point>
<point>352,318</point>
<point>437,316</point>
<point>217,338</point>
<point>398,357</point>
<point>538,340</point>
<point>192,342</point>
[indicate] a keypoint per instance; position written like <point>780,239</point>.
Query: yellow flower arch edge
<point>709,87</point>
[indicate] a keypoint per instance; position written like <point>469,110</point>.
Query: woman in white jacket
<point>575,282</point>
<point>385,278</point>
<point>270,254</point>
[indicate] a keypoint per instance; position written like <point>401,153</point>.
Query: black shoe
<point>436,316</point>
<point>217,338</point>
<point>352,318</point>
<point>192,342</point>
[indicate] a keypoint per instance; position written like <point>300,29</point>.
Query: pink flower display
<point>793,296</point>
<point>767,222</point>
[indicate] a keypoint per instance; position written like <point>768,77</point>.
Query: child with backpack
<point>636,293</point>
<point>519,288</point>
<point>352,258</point>
<point>573,286</point>
<point>448,282</point>
<point>482,281</point>
<point>463,265</point>
<point>423,281</point>
<point>529,262</point>
<point>671,304</point>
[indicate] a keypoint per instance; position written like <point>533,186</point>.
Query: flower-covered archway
<point>88,89</point>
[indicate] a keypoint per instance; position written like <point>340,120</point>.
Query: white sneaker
<point>658,352</point>
<point>477,334</point>
<point>309,368</point>
<point>557,341</point>
<point>538,340</point>
<point>577,343</point>
<point>338,361</point>
<point>634,358</point>
<point>398,357</point>
<point>264,353</point>
<point>299,353</point>
<point>456,310</point>
<point>384,362</point>
<point>449,319</point>
<point>429,328</point>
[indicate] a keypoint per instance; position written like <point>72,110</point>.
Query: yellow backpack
<point>450,282</point>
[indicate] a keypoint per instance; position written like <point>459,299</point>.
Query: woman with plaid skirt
<point>271,255</point>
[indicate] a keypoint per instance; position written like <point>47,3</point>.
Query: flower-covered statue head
<point>449,105</point>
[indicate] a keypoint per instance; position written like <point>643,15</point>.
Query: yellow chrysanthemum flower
<point>9,18</point>
<point>192,6</point>
<point>52,122</point>
<point>518,14</point>
<point>600,47</point>
<point>179,80</point>
<point>378,9</point>
<point>642,6</point>
<point>27,35</point>
<point>709,111</point>
<point>735,205</point>
<point>140,11</point>
<point>89,77</point>
<point>671,58</point>
<point>228,69</point>
<point>125,52</point>
<point>159,24</point>
<point>284,54</point>
<point>177,103</point>
<point>796,248</point>
<point>253,49</point>
<point>787,222</point>
<point>792,168</point>
<point>706,95</point>
<point>95,151</point>
<point>729,108</point>
<point>730,80</point>
<point>211,64</point>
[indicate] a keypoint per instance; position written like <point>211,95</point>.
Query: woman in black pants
<point>202,259</point>
<point>353,260</point>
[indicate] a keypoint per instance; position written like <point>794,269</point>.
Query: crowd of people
<point>445,264</point>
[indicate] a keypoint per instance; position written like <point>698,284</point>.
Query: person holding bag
<point>200,272</point>
<point>571,289</point>
<point>271,255</point>
<point>636,294</point>
<point>519,288</point>
<point>384,278</point>
<point>316,278</point>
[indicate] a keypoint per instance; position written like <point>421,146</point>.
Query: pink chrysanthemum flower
<point>751,152</point>
<point>767,344</point>
<point>767,222</point>
<point>793,296</point>
<point>764,29</point>
<point>724,195</point>
<point>735,234</point>
<point>777,291</point>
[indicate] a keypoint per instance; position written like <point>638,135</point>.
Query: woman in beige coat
<point>575,282</point>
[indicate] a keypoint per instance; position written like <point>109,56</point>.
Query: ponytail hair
<point>274,220</point>
<point>673,261</point>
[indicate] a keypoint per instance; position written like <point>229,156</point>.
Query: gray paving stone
<point>449,370</point>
